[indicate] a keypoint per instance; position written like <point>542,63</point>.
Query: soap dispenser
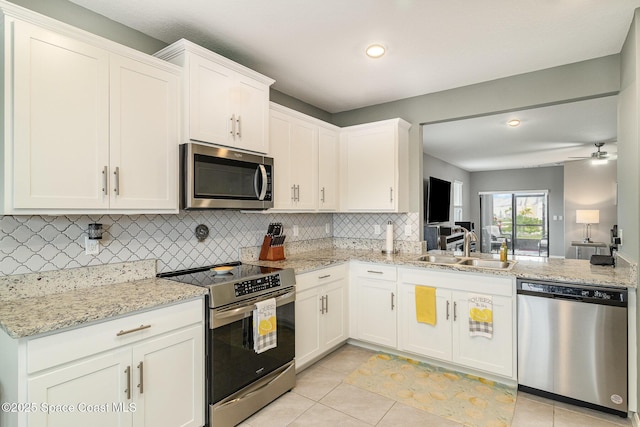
<point>503,251</point>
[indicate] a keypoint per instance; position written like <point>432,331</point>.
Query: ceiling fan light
<point>375,51</point>
<point>514,123</point>
<point>599,161</point>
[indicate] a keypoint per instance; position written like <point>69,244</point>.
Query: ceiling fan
<point>596,155</point>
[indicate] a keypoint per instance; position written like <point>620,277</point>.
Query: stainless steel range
<point>242,380</point>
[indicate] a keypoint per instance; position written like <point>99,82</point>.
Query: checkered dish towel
<point>264,326</point>
<point>480,315</point>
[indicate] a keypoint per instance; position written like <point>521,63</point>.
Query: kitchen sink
<point>467,262</point>
<point>440,259</point>
<point>485,263</point>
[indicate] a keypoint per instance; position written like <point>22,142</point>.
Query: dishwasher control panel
<point>571,291</point>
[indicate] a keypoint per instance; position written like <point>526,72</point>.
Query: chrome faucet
<point>469,236</point>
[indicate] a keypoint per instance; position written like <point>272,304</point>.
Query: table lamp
<point>587,217</point>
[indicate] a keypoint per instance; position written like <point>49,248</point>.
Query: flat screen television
<point>437,199</point>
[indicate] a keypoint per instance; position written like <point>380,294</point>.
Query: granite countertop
<point>82,296</point>
<point>565,270</point>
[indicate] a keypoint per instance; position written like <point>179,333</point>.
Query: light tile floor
<point>320,398</point>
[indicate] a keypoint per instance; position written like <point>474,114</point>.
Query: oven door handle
<point>221,318</point>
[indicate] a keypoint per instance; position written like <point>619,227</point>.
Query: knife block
<point>270,253</point>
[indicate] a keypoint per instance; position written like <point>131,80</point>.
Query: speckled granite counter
<point>567,270</point>
<point>33,304</point>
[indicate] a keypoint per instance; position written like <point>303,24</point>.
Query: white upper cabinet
<point>90,126</point>
<point>294,147</point>
<point>375,167</point>
<point>143,134</point>
<point>305,152</point>
<point>328,162</point>
<point>224,102</point>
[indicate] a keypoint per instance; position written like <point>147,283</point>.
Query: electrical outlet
<point>91,246</point>
<point>296,230</point>
<point>376,229</point>
<point>407,230</point>
<point>327,228</point>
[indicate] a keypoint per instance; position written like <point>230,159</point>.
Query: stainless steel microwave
<point>220,178</point>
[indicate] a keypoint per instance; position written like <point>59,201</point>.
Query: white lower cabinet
<point>321,313</point>
<point>145,369</point>
<point>449,339</point>
<point>375,303</point>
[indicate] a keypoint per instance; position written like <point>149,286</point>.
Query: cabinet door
<point>144,136</point>
<point>488,354</point>
<point>335,315</point>
<point>210,110</point>
<point>251,100</point>
<point>168,379</point>
<point>280,140</point>
<point>308,345</point>
<point>100,381</point>
<point>327,170</point>
<point>304,172</point>
<point>61,121</point>
<point>421,338</point>
<point>376,311</point>
<point>371,169</point>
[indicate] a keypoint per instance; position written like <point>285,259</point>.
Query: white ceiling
<point>546,136</point>
<point>315,48</point>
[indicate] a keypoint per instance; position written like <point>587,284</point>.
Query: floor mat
<point>466,399</point>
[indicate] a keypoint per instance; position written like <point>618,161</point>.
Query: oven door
<point>234,363</point>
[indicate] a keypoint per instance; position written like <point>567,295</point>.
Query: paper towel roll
<point>389,242</point>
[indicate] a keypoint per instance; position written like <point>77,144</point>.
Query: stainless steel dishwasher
<point>572,343</point>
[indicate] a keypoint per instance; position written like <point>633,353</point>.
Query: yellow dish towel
<point>426,305</point>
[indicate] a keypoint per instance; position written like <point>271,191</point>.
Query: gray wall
<point>443,170</point>
<point>588,186</point>
<point>548,178</point>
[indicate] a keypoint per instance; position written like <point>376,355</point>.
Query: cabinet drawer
<point>376,271</point>
<point>321,276</point>
<point>63,347</point>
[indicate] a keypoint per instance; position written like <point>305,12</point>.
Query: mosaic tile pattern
<point>31,244</point>
<point>362,226</point>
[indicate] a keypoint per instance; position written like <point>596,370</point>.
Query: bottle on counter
<point>503,251</point>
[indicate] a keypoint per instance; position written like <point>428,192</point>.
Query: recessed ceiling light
<point>514,123</point>
<point>375,51</point>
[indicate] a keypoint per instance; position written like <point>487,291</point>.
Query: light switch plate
<point>91,247</point>
<point>407,230</point>
<point>376,229</point>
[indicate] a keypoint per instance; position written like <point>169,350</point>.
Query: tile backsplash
<point>31,244</point>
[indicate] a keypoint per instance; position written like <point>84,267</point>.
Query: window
<point>457,201</point>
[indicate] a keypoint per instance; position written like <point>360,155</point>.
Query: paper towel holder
<point>389,248</point>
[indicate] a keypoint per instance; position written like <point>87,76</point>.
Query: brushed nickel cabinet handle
<point>105,180</point>
<point>232,126</point>
<point>141,385</point>
<point>322,191</point>
<point>293,193</point>
<point>128,389</point>
<point>448,303</point>
<point>455,311</point>
<point>324,277</point>
<point>239,130</point>
<point>326,306</point>
<point>393,301</point>
<point>391,194</point>
<point>139,328</point>
<point>116,188</point>
<point>374,272</point>
<point>322,304</point>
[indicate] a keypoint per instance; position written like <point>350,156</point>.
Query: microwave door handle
<point>261,172</point>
